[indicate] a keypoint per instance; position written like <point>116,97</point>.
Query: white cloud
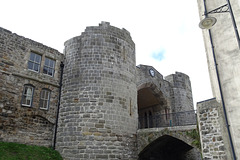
<point>158,55</point>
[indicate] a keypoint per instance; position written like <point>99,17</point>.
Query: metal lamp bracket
<point>221,9</point>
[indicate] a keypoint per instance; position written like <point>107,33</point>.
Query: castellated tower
<point>98,112</point>
<point>181,95</point>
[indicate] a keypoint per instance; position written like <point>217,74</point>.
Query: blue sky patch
<point>159,55</point>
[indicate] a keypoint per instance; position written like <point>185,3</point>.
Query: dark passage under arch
<point>166,148</point>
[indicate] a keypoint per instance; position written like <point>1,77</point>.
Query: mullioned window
<point>27,96</point>
<point>45,99</point>
<point>34,62</point>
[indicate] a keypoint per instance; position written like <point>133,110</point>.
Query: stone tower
<point>181,95</point>
<point>98,113</point>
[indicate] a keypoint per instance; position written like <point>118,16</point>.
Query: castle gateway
<point>92,101</point>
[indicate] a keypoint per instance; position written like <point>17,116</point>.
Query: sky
<point>166,33</point>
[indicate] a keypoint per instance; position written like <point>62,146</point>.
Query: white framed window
<point>34,62</point>
<point>27,95</point>
<point>45,99</point>
<point>49,66</point>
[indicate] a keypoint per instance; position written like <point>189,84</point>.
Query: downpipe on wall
<point>59,99</point>
<point>220,88</point>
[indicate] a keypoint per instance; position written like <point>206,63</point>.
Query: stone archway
<point>151,102</point>
<point>173,143</point>
<point>167,148</point>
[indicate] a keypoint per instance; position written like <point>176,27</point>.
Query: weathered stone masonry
<point>212,130</point>
<point>30,125</point>
<point>99,96</point>
<point>103,94</point>
<point>169,95</point>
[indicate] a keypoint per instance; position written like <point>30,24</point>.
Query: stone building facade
<point>223,56</point>
<point>24,84</point>
<point>103,94</point>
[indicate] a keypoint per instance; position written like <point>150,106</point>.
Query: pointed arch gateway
<point>151,103</point>
<point>163,133</point>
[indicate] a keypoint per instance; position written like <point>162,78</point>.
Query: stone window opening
<point>34,62</point>
<point>45,99</point>
<point>27,96</point>
<point>49,67</point>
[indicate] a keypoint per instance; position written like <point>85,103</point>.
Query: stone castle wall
<point>18,123</point>
<point>159,86</point>
<point>99,111</point>
<point>212,130</point>
<point>174,90</point>
<point>98,115</point>
<point>160,98</point>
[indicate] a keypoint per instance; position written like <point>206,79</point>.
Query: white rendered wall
<point>228,62</point>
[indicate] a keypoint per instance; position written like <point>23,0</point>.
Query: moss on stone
<point>194,134</point>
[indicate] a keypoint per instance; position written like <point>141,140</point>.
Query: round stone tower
<point>98,112</point>
<point>181,94</point>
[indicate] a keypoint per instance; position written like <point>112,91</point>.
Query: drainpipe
<point>220,88</point>
<point>234,23</point>
<point>59,99</point>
